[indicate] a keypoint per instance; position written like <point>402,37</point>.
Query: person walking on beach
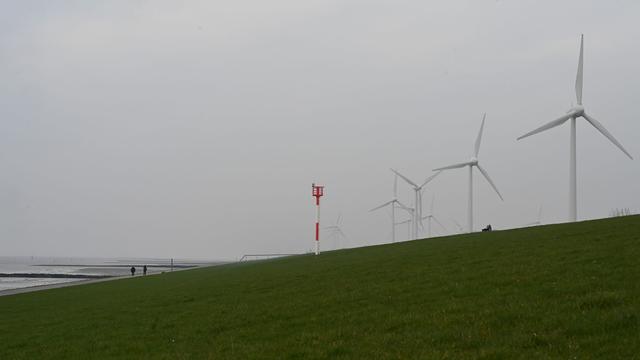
<point>133,270</point>
<point>144,270</point>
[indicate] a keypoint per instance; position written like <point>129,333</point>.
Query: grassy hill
<point>558,291</point>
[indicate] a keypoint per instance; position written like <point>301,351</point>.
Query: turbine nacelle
<point>577,111</point>
<point>473,161</point>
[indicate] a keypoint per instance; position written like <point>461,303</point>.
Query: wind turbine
<point>336,230</point>
<point>430,217</point>
<point>471,163</point>
<point>417,215</point>
<point>393,203</point>
<point>574,113</point>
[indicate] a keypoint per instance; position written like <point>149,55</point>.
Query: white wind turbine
<point>471,163</point>
<point>574,113</point>
<point>393,202</point>
<point>336,230</point>
<point>417,214</point>
<point>430,217</point>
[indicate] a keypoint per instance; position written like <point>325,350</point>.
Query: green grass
<point>561,291</point>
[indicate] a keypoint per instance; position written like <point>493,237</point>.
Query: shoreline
<point>55,286</point>
<point>53,276</point>
<point>179,266</point>
<point>83,281</point>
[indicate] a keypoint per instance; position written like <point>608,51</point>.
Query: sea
<point>18,272</point>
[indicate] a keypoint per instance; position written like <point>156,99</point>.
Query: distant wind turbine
<point>336,230</point>
<point>574,113</point>
<point>393,202</point>
<point>417,215</point>
<point>473,162</point>
<point>430,217</point>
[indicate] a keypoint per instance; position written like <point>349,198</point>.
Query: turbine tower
<point>473,162</point>
<point>539,221</point>
<point>393,203</point>
<point>417,214</point>
<point>573,114</point>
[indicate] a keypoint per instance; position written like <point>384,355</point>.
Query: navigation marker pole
<point>317,192</point>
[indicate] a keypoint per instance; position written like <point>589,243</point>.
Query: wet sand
<point>54,286</point>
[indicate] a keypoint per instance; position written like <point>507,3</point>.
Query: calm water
<point>80,266</point>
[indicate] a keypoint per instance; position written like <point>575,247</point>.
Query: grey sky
<point>194,129</point>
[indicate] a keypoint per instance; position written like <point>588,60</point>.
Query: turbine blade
<point>579,74</point>
<point>559,121</point>
<point>381,206</point>
<point>339,219</point>
<point>486,176</point>
<point>395,187</point>
<point>404,207</point>
<point>479,138</point>
<point>540,213</point>
<point>405,179</point>
<point>458,225</point>
<point>439,223</point>
<point>429,179</point>
<point>433,200</point>
<point>455,166</point>
<point>607,134</point>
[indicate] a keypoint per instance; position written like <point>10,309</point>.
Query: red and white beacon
<point>317,192</point>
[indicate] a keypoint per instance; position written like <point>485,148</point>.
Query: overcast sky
<point>194,129</point>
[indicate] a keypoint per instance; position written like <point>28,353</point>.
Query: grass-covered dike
<point>559,291</point>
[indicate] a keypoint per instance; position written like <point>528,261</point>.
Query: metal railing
<point>266,256</point>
